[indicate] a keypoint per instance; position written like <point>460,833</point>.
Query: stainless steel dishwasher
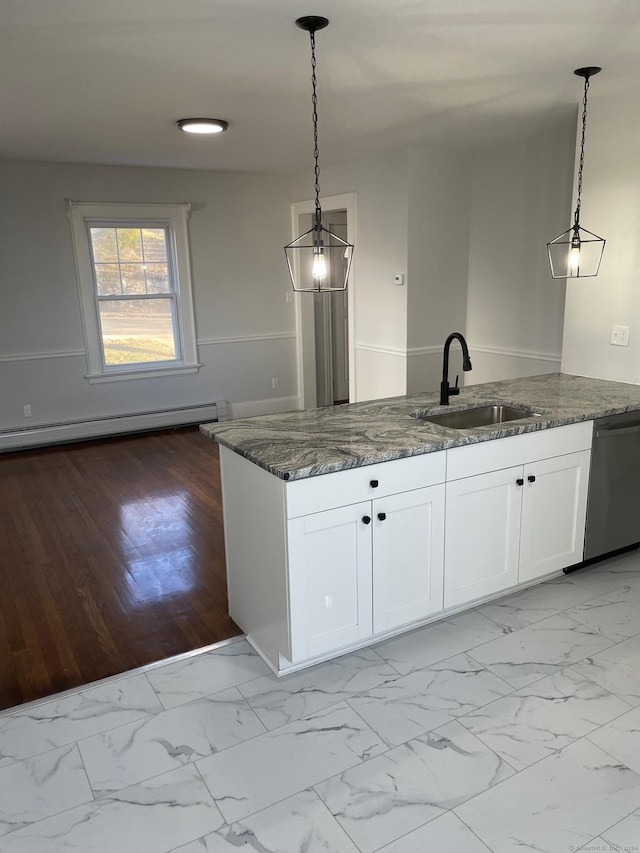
<point>613,511</point>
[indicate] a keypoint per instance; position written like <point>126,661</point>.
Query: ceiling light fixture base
<point>587,72</point>
<point>312,23</point>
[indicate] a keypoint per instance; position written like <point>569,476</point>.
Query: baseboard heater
<point>56,433</point>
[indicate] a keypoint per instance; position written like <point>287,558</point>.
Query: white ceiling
<point>103,81</point>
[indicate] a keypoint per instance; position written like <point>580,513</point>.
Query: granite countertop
<point>295,445</point>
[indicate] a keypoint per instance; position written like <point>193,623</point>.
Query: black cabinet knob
<point>374,484</point>
<point>382,516</point>
<point>519,482</point>
<point>531,478</point>
<point>366,519</point>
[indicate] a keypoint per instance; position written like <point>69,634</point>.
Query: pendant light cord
<point>576,218</point>
<point>316,152</point>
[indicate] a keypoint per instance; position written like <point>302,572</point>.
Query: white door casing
<point>304,307</point>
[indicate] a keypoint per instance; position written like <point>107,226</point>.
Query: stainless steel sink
<point>477,417</point>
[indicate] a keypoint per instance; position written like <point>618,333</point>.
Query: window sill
<point>137,373</point>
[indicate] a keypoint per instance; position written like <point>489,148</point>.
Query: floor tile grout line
<point>464,823</point>
<point>574,740</point>
<point>415,829</point>
<point>97,802</point>
<point>613,643</point>
<point>613,758</point>
<point>540,760</point>
<point>84,767</point>
<point>192,761</point>
<point>335,819</point>
<point>312,786</point>
<point>613,825</point>
<point>213,800</point>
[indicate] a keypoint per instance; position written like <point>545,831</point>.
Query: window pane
<point>108,279</point>
<point>154,241</point>
<point>129,244</point>
<point>103,241</point>
<point>157,278</point>
<point>132,279</point>
<point>137,331</point>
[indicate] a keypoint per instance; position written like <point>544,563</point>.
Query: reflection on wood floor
<point>111,557</point>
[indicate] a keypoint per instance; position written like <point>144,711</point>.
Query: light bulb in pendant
<point>574,256</point>
<point>319,270</point>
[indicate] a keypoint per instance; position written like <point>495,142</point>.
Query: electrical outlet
<point>275,383</point>
<point>619,336</point>
<point>26,410</point>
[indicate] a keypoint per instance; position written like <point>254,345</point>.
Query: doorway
<point>331,326</point>
<point>325,327</point>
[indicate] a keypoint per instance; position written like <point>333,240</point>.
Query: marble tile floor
<point>511,727</point>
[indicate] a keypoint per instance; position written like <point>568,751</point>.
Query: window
<point>135,289</point>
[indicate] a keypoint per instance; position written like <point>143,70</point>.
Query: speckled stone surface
<point>295,445</point>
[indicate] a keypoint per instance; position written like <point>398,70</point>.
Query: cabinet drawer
<point>342,488</point>
<point>474,459</point>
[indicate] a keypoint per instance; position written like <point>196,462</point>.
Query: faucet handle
<point>457,380</point>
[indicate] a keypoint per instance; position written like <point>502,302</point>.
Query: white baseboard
<point>16,439</point>
<point>274,406</point>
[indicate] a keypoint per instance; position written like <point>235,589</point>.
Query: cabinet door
<point>553,514</point>
<point>482,535</point>
<point>408,557</point>
<point>329,580</point>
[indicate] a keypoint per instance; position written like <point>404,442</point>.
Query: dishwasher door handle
<point>609,432</point>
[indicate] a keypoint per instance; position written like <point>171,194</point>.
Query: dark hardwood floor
<point>111,557</point>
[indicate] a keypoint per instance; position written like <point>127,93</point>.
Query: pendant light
<point>319,261</point>
<point>576,253</point>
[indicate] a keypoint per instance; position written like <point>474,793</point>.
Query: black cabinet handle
<point>374,484</point>
<point>366,519</point>
<point>519,482</point>
<point>382,516</point>
<point>531,478</point>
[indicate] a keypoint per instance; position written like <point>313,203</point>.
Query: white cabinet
<point>364,568</point>
<point>408,557</point>
<point>514,525</point>
<point>322,564</point>
<point>554,507</point>
<point>329,580</point>
<point>482,535</point>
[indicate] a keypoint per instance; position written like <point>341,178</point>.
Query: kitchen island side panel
<point>254,514</point>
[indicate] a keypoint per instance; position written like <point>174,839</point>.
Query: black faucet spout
<point>446,390</point>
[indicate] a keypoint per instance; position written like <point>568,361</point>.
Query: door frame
<point>305,333</point>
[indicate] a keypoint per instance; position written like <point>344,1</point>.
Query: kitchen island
<point>349,524</point>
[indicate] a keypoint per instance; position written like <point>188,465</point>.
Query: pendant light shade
<point>577,253</point>
<point>319,261</point>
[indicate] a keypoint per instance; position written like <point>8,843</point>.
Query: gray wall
<point>520,198</point>
<point>610,208</point>
<point>245,328</point>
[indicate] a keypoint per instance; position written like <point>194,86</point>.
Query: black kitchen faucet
<point>446,390</point>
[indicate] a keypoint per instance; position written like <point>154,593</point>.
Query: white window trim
<point>174,216</point>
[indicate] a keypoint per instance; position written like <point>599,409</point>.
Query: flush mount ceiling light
<point>319,261</point>
<point>202,125</point>
<point>576,253</point>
